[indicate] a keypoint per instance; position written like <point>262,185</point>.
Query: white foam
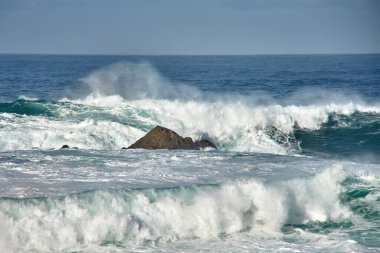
<point>135,217</point>
<point>138,93</point>
<point>28,132</point>
<point>234,122</point>
<point>236,126</point>
<point>28,98</point>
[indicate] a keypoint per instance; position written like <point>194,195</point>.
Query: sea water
<point>297,167</point>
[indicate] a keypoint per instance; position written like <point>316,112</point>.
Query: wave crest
<point>128,99</point>
<point>164,215</point>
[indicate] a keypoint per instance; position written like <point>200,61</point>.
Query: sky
<point>189,27</point>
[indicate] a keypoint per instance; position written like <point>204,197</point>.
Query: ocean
<point>297,167</point>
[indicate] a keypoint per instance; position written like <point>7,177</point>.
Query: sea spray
<point>134,81</point>
<point>100,123</point>
<point>126,100</point>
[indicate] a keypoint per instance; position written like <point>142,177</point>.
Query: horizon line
<point>264,54</point>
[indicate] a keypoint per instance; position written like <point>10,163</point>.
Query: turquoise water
<point>296,170</point>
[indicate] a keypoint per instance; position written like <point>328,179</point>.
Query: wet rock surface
<point>164,138</point>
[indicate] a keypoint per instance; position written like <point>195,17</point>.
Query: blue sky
<point>189,26</point>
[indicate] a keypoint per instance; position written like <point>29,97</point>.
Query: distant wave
<point>127,100</point>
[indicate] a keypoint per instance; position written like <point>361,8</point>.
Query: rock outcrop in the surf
<point>65,146</point>
<point>164,138</point>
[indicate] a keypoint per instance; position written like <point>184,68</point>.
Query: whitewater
<point>296,170</point>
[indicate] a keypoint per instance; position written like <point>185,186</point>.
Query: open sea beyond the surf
<point>297,167</point>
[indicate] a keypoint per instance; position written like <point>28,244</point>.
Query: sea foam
<point>128,99</point>
<point>159,216</point>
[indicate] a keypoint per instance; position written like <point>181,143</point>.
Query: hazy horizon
<point>184,27</point>
<point>192,55</point>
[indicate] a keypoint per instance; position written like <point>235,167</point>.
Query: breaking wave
<point>127,100</point>
<point>327,200</point>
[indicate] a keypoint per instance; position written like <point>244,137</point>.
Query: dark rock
<point>163,138</point>
<point>205,144</point>
<point>65,146</point>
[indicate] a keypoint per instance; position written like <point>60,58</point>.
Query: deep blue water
<point>51,77</point>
